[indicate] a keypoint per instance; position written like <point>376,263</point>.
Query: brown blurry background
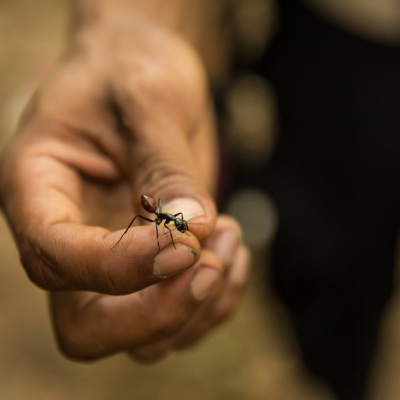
<point>251,357</point>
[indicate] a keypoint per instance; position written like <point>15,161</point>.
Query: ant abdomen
<point>148,203</point>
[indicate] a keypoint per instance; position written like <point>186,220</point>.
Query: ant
<point>150,205</point>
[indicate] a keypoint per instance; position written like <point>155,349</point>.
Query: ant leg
<point>130,224</point>
<point>186,225</point>
<point>174,229</point>
<point>170,232</point>
<point>159,205</point>
<point>158,242</point>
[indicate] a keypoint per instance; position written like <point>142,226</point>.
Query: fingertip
<point>208,272</point>
<point>155,258</point>
<point>199,212</point>
<point>240,271</point>
<point>173,259</point>
<point>225,246</point>
<point>227,223</point>
<point>203,282</point>
<point>226,239</point>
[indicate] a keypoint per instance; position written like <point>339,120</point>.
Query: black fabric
<point>335,177</point>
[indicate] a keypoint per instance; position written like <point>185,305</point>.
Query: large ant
<point>150,205</point>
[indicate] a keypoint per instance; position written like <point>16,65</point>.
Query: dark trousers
<point>335,177</point>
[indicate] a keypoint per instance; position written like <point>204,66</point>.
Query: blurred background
<point>251,357</point>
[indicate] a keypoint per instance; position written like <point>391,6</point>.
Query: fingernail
<point>225,246</point>
<point>172,260</point>
<point>239,274</point>
<point>190,208</point>
<point>203,281</point>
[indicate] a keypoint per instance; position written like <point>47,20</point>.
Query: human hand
<point>125,113</point>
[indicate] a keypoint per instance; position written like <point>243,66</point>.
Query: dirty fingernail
<point>172,260</point>
<point>203,281</point>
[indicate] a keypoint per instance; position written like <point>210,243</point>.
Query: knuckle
<point>168,89</point>
<point>236,288</point>
<point>152,88</point>
<point>163,328</point>
<point>148,354</point>
<point>166,325</point>
<point>228,304</point>
<point>41,272</point>
<point>224,310</point>
<point>72,345</point>
<point>77,337</point>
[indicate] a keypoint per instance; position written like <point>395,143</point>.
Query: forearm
<point>204,24</point>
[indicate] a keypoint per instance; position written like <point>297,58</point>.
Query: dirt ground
<point>251,357</point>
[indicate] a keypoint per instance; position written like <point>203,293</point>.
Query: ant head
<point>181,225</point>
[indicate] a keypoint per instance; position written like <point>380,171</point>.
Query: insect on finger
<point>150,205</point>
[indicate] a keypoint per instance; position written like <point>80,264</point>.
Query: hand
<point>169,315</point>
<point>126,112</point>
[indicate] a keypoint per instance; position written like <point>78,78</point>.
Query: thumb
<point>176,203</point>
<point>183,215</point>
<point>165,174</point>
<point>168,128</point>
<point>169,192</point>
<point>171,155</point>
<point>167,122</point>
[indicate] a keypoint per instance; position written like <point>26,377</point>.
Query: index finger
<point>60,252</point>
